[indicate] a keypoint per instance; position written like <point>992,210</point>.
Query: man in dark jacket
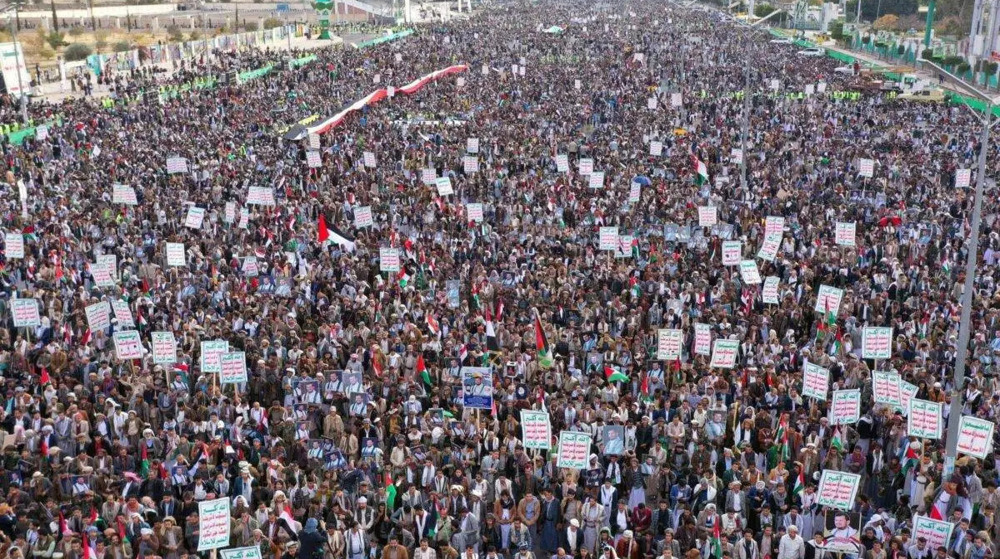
<point>311,541</point>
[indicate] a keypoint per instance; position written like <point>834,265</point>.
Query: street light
<point>18,52</point>
<point>970,263</point>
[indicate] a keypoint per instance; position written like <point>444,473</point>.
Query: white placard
<point>924,419</point>
<point>885,388</point>
<point>608,239</point>
<point>769,248</point>
<point>702,339</point>
<point>828,300</point>
<point>123,194</point>
<point>936,532</point>
<point>845,233</point>
<point>866,168</point>
<point>250,268</point>
<point>838,490</point>
<point>774,224</point>
<point>164,348</point>
<point>195,217</point>
<point>25,313</point>
<point>975,436</point>
<point>815,381</point>
<point>707,216</point>
<point>233,368</point>
<point>769,294</point>
<point>13,245</point>
<point>472,145</point>
<point>656,148</point>
<point>474,212</point>
<point>176,255</point>
<point>127,345</point>
<point>586,166</point>
<point>363,217</point>
<point>724,354</point>
<point>211,355</point>
<point>229,215</point>
<point>313,159</point>
<point>732,253</point>
<point>736,156</point>
<point>596,179</point>
<point>634,192</point>
<point>470,164</point>
<point>668,344</point>
<point>845,409</point>
<point>749,272</point>
<point>444,187</point>
<point>369,159</point>
<point>260,196</point>
<point>177,165</point>
<point>651,103</point>
<point>123,314</point>
<point>676,100</point>
<point>562,163</point>
<point>876,343</point>
<point>428,176</point>
<point>314,142</point>
<point>963,178</point>
<point>213,524</point>
<point>388,259</point>
<point>98,316</point>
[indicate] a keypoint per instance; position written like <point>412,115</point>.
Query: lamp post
<point>971,259</point>
<point>18,60</point>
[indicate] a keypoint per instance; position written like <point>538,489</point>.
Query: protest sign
<point>313,159</point>
<point>314,141</point>
<point>98,316</point>
<point>815,381</point>
<point>975,436</point>
<point>866,168</point>
<point>885,388</point>
<point>230,214</point>
<point>624,248</point>
<point>211,355</point>
<point>13,244</point>
<point>702,338</point>
<point>472,145</point>
<point>477,387</point>
<point>651,103</point>
<point>769,247</point>
<point>676,100</point>
<point>732,253</point>
<point>837,489</point>
<point>233,367</point>
<point>260,196</point>
<point>103,276</point>
<point>474,212</point>
<point>369,159</point>
<point>470,164</point>
<point>937,533</point>
<point>251,552</point>
<point>249,267</point>
<point>668,344</point>
<point>707,216</point>
<point>876,342</point>
<point>176,165</point>
<point>596,180</point>
<point>122,313</point>
<point>608,239</point>
<point>388,259</point>
<point>810,89</point>
<point>213,524</point>
<point>656,148</point>
<point>724,354</point>
<point>363,217</point>
<point>127,345</point>
<point>574,450</point>
<point>845,233</point>
<point>828,300</point>
<point>749,272</point>
<point>586,166</point>
<point>737,156</point>
<point>845,408</point>
<point>41,132</point>
<point>769,294</point>
<point>25,313</point>
<point>924,419</point>
<point>634,192</point>
<point>176,255</point>
<point>444,187</point>
<point>428,176</point>
<point>562,163</point>
<point>536,430</point>
<point>774,224</point>
<point>963,178</point>
<point>164,348</point>
<point>907,391</point>
<point>123,194</point>
<point>195,217</point>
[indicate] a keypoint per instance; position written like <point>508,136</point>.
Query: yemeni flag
<point>44,377</point>
<point>837,440</point>
<point>491,335</point>
<point>940,507</point>
<point>717,539</point>
<point>87,552</point>
<point>432,325</point>
<point>800,484</point>
<point>286,515</point>
<point>542,344</point>
<point>614,374</point>
<point>144,456</point>
<point>390,492</point>
<point>422,371</point>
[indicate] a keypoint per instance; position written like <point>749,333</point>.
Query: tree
<point>837,30</point>
<point>77,51</point>
<point>888,22</point>
<point>271,23</point>
<point>763,10</point>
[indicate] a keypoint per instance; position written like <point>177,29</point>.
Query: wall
<point>103,11</point>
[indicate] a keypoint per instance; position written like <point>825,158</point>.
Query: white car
<point>812,52</point>
<point>782,41</point>
<point>843,70</point>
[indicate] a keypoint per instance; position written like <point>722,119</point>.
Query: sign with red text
<point>769,247</point>
<point>885,388</point>
<point>233,368</point>
<point>13,244</point>
<point>707,216</point>
<point>749,272</point>
<point>936,532</point>
<point>536,429</point>
<point>876,342</point>
<point>474,212</point>
<point>837,490</point>
<point>724,354</point>
<point>98,316</point>
<point>845,407</point>
<point>845,233</point>
<point>975,436</point>
<point>608,239</point>
<point>25,313</point>
<point>128,345</point>
<point>769,294</point>
<point>574,450</point>
<point>668,344</point>
<point>363,217</point>
<point>815,381</point>
<point>732,253</point>
<point>388,259</point>
<point>175,254</point>
<point>924,419</point>
<point>123,194</point>
<point>122,313</point>
<point>213,524</point>
<point>702,339</point>
<point>164,348</point>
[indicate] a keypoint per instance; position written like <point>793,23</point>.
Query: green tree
<point>77,51</point>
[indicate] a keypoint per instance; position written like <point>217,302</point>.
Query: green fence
<point>385,39</point>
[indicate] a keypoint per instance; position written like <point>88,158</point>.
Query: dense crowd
<point>354,435</point>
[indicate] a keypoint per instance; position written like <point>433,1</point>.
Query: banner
<point>574,450</point>
<point>252,552</point>
<point>885,388</point>
<point>975,436</point>
<point>127,345</point>
<point>769,248</point>
<point>724,354</point>
<point>536,429</point>
<point>876,342</point>
<point>122,314</point>
<point>936,532</point>
<point>769,293</point>
<point>388,259</point>
<point>13,244</point>
<point>195,217</point>
<point>837,490</point>
<point>123,194</point>
<point>98,316</point>
<point>815,381</point>
<point>164,348</point>
<point>828,300</point>
<point>846,407</point>
<point>732,252</point>
<point>260,196</point>
<point>668,344</point>
<point>702,339</point>
<point>25,313</point>
<point>213,524</point>
<point>233,368</point>
<point>924,419</point>
<point>211,355</point>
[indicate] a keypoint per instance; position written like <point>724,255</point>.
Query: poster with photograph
<point>477,387</point>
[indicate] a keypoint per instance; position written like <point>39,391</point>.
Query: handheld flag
<point>542,344</point>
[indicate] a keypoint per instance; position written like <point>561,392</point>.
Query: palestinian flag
<point>781,439</point>
<point>542,344</point>
<point>910,458</point>
<point>701,171</point>
<point>341,238</point>
<point>837,441</point>
<point>422,371</point>
<point>717,538</point>
<point>390,492</point>
<point>144,457</point>
<point>403,277</point>
<point>613,374</point>
<point>800,484</point>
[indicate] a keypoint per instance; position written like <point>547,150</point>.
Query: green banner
<point>243,77</point>
<point>303,61</point>
<point>384,39</point>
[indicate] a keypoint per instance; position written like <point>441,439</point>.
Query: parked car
<point>844,70</point>
<point>782,41</point>
<point>814,51</point>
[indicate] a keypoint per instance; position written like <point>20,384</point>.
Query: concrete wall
<point>103,11</point>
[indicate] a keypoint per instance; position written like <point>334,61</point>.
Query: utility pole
<point>18,61</point>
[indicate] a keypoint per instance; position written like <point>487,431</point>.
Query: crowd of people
<point>381,415</point>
